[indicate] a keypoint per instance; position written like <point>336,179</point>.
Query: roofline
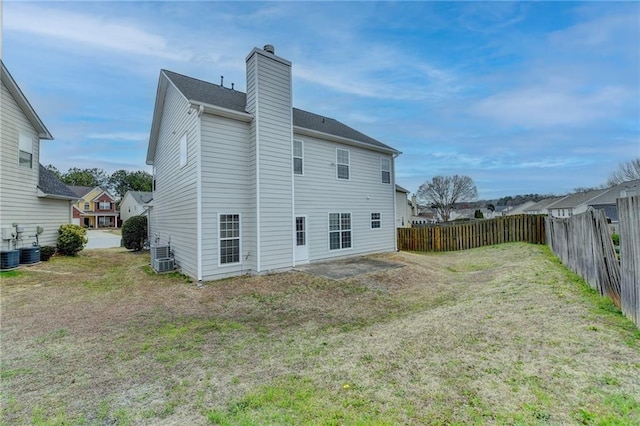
<point>163,83</point>
<point>222,112</point>
<point>104,191</point>
<point>23,102</point>
<point>347,141</point>
<point>42,194</point>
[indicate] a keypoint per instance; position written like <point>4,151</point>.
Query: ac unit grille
<point>160,252</point>
<point>163,265</point>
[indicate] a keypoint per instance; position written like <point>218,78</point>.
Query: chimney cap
<point>269,48</point>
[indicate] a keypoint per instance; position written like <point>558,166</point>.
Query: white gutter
<point>347,141</point>
<point>222,112</point>
<point>199,192</point>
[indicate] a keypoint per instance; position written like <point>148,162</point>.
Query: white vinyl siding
<point>385,170</point>
<point>183,150</point>
<point>320,193</point>
<point>174,212</point>
<point>19,201</point>
<point>339,231</point>
<point>376,223</point>
<point>230,238</point>
<point>342,164</point>
<point>228,185</point>
<point>298,157</point>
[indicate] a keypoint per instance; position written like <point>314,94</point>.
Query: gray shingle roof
<point>576,199</point>
<point>213,94</point>
<point>51,185</point>
<point>81,191</point>
<point>141,197</point>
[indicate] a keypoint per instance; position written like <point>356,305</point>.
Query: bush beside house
<point>71,239</point>
<point>134,232</point>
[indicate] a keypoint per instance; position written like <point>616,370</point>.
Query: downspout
<point>393,193</point>
<point>293,181</point>
<point>257,136</point>
<point>199,193</point>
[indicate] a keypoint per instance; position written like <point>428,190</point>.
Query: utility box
<point>7,233</point>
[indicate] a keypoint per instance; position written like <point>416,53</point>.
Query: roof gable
<point>23,103</point>
<point>576,199</point>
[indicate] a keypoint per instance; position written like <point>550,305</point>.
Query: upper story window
<point>385,170</point>
<point>183,150</point>
<point>342,162</point>
<point>298,155</point>
<point>104,205</point>
<point>87,206</point>
<point>25,156</point>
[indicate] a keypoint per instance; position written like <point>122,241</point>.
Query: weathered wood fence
<point>529,228</point>
<point>583,243</point>
<point>629,220</point>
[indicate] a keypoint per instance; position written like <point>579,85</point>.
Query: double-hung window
<point>104,205</point>
<point>229,238</point>
<point>375,221</point>
<point>25,156</point>
<point>339,231</point>
<point>342,162</point>
<point>298,155</point>
<point>385,170</point>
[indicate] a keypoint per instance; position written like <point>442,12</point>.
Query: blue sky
<point>526,97</point>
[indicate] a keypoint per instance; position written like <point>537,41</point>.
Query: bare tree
<point>443,192</point>
<point>626,172</point>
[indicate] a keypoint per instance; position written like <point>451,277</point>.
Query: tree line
<point>118,182</point>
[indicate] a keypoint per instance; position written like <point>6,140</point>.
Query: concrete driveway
<point>339,269</point>
<point>102,239</point>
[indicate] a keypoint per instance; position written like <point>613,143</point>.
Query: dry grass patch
<point>497,335</point>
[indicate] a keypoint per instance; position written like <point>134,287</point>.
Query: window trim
<point>100,205</point>
<point>239,238</point>
<point>338,164</point>
<point>372,220</point>
<point>183,150</point>
<point>25,147</point>
<point>294,156</point>
<point>340,231</point>
<point>87,206</point>
<point>382,171</point>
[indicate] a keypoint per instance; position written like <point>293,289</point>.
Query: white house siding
<point>318,192</point>
<point>19,202</point>
<point>174,212</point>
<point>403,211</point>
<point>269,99</point>
<point>129,207</point>
<point>226,190</point>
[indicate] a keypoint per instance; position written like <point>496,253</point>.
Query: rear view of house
<point>245,183</point>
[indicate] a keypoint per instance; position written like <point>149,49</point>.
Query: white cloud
<point>89,30</point>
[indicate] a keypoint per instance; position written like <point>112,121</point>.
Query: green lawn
<point>496,335</point>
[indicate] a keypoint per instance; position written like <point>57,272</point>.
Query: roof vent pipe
<point>269,48</point>
<point>222,81</point>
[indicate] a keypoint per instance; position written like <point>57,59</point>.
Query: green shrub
<point>46,252</point>
<point>478,214</point>
<point>71,239</point>
<point>616,239</point>
<point>134,232</point>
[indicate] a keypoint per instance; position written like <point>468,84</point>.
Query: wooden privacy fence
<point>583,243</point>
<point>629,221</point>
<point>529,228</point>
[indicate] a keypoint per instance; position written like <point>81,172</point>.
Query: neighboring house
<point>607,201</point>
<point>519,209</point>
<point>31,196</point>
<point>96,208</point>
<point>406,208</point>
<point>572,204</point>
<point>135,203</point>
<point>541,207</point>
<point>245,183</point>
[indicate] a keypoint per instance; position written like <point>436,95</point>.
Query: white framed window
<point>229,246</point>
<point>104,205</point>
<point>301,233</point>
<point>87,206</point>
<point>342,164</point>
<point>376,222</point>
<point>385,169</point>
<point>183,150</point>
<point>339,231</point>
<point>25,155</point>
<point>298,157</point>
